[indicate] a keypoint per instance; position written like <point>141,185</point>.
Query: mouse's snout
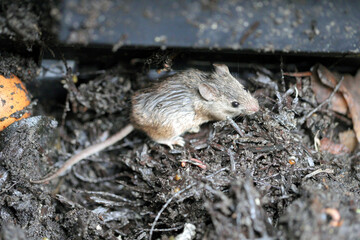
<point>253,107</point>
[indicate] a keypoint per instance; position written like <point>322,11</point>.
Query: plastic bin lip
<point>268,26</point>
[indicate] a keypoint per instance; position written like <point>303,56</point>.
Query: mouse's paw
<point>194,129</point>
<point>179,141</point>
<point>173,141</point>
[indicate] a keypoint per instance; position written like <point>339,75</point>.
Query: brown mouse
<point>178,104</point>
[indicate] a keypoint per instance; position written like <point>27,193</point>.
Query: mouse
<point>180,103</point>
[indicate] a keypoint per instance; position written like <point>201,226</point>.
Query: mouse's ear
<point>221,69</point>
<point>209,93</point>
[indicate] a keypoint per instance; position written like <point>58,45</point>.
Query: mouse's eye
<point>235,104</point>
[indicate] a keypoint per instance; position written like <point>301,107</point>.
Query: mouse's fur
<point>187,99</point>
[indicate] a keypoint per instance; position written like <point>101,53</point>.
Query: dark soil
<point>255,184</point>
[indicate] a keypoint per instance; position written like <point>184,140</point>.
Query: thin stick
<point>298,74</point>
<point>328,170</point>
<point>232,160</point>
<point>282,74</point>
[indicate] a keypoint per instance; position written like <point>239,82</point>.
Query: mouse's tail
<point>88,152</point>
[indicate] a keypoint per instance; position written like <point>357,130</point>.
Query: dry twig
<point>328,170</point>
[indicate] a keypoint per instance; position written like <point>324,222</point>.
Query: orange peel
<point>14,98</point>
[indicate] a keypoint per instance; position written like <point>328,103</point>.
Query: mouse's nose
<point>253,107</point>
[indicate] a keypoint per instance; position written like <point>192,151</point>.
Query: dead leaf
<point>338,103</point>
<point>350,88</point>
<point>334,148</point>
<point>348,139</point>
<point>327,77</point>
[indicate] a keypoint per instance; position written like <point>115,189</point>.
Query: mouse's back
<point>166,108</point>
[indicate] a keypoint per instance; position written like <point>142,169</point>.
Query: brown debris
<point>327,145</point>
<point>348,139</point>
<point>249,31</point>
